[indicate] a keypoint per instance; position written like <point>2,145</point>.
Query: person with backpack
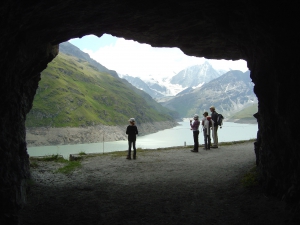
<point>195,128</point>
<point>214,117</point>
<point>207,124</point>
<point>131,131</point>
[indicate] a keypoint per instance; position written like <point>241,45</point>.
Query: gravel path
<point>173,186</point>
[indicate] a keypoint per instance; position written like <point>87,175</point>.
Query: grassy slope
<point>246,113</point>
<point>73,93</point>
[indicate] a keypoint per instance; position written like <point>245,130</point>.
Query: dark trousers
<point>196,141</point>
<point>206,138</point>
<point>129,147</point>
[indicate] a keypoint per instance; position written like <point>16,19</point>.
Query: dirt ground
<point>173,186</point>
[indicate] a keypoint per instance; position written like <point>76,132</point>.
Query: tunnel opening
<point>94,191</point>
<point>261,33</point>
<point>67,107</point>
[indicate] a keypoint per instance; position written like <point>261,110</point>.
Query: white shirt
<point>206,125</point>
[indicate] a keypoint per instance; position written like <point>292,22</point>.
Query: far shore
<point>46,136</point>
<point>245,121</point>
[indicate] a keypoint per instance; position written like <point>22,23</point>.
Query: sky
<point>141,60</point>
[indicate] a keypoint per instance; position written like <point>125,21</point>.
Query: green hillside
<point>246,113</point>
<point>73,93</point>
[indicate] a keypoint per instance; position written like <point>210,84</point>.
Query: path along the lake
<point>173,186</point>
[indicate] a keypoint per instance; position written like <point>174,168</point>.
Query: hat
<point>205,113</point>
<point>212,107</point>
<point>196,116</point>
<point>131,120</point>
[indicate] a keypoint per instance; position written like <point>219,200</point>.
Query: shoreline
<point>242,121</point>
<point>47,136</point>
<point>75,157</point>
<point>71,156</point>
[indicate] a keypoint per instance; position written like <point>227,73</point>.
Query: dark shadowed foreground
<point>173,186</point>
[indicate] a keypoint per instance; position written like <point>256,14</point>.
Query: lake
<point>176,136</point>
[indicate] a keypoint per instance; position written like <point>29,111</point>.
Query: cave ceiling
<point>211,29</point>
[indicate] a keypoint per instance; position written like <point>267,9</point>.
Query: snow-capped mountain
<point>191,77</point>
<point>156,88</point>
<point>229,93</point>
<point>195,76</point>
<point>140,84</point>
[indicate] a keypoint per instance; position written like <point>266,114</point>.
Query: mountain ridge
<point>73,93</point>
<point>195,76</point>
<point>229,93</point>
<point>69,49</point>
<point>190,77</point>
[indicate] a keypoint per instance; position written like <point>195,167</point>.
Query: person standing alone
<point>131,131</point>
<point>195,127</point>
<point>214,117</point>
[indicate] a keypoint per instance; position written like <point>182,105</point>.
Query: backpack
<point>220,119</point>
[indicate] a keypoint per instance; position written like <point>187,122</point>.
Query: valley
<point>81,101</point>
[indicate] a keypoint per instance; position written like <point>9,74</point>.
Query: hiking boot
<point>134,157</point>
<point>194,150</point>
<point>128,157</point>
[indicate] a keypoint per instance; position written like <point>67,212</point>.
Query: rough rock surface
<point>261,32</point>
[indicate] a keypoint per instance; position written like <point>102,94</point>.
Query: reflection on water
<point>176,136</point>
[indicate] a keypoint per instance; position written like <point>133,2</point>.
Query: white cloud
<point>135,59</point>
<point>229,64</point>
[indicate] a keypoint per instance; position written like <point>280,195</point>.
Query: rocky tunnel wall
<point>258,32</point>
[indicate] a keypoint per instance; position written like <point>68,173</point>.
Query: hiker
<point>207,124</point>
<point>131,131</point>
<point>214,117</point>
<point>195,128</point>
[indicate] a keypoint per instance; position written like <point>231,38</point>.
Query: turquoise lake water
<point>176,136</point>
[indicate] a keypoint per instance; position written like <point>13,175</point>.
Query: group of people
<point>208,123</point>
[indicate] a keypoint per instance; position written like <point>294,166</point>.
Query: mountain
<point>229,93</point>
<point>185,91</point>
<point>157,87</point>
<point>195,76</point>
<point>74,93</point>
<point>69,49</point>
<point>152,103</point>
<point>149,89</point>
<point>191,77</point>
